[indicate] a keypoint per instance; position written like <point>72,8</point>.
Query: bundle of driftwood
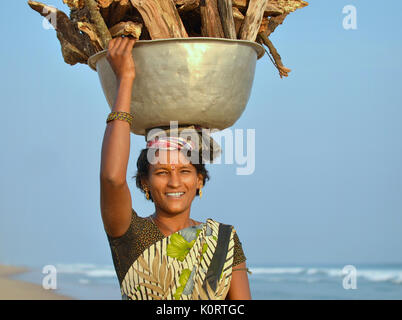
<point>92,23</point>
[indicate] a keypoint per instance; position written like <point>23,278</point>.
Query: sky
<point>327,183</point>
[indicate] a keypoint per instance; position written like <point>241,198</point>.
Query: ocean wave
<point>313,274</point>
<point>89,270</point>
<point>277,274</point>
<point>277,270</point>
<point>394,276</point>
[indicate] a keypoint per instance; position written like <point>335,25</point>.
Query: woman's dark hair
<point>143,170</point>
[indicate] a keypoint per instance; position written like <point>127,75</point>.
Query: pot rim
<point>257,47</point>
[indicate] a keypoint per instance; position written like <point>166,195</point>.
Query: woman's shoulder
<point>138,225</point>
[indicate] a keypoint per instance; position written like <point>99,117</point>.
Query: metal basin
<point>201,81</point>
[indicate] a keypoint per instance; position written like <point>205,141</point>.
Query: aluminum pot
<point>201,81</point>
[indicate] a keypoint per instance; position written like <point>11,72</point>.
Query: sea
<point>85,281</point>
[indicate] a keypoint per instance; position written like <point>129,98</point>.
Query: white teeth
<point>176,194</point>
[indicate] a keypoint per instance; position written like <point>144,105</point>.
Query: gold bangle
<point>239,269</point>
<point>120,115</point>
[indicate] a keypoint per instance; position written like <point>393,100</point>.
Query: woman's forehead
<point>163,158</point>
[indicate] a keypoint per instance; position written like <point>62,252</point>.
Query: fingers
<point>129,44</point>
<point>120,46</point>
<point>124,46</point>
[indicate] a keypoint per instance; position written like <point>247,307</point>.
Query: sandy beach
<point>11,289</point>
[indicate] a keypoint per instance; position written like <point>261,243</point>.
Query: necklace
<point>170,230</point>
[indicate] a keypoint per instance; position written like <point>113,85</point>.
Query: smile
<point>174,194</point>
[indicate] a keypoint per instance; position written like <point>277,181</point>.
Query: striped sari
<point>191,264</point>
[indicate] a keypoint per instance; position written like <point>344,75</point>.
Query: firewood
<point>98,22</point>
<point>66,30</point>
<point>271,9</point>
<point>226,14</point>
<point>104,7</point>
<point>161,18</point>
<point>93,23</point>
<point>70,53</point>
<point>264,25</point>
<point>186,5</point>
<point>119,11</point>
<point>274,7</point>
<point>89,29</point>
<point>274,22</point>
<point>74,4</point>
<point>288,6</point>
<point>252,21</point>
<point>238,20</point>
<point>80,15</point>
<point>211,25</point>
<point>104,3</point>
<point>283,71</point>
<point>126,28</point>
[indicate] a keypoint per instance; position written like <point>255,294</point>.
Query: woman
<point>167,255</point>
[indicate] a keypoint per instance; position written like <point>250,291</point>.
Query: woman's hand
<point>120,57</point>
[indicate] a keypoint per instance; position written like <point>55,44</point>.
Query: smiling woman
<point>167,255</point>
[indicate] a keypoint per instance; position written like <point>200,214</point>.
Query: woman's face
<point>173,183</point>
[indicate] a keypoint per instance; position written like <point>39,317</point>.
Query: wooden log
<point>238,20</point>
<point>127,28</point>
<point>273,23</point>
<point>253,19</point>
<point>186,5</point>
<point>90,30</point>
<point>80,15</point>
<point>161,18</point>
<point>73,42</point>
<point>227,20</point>
<point>274,7</point>
<point>105,8</point>
<point>71,54</point>
<point>211,25</point>
<point>271,8</point>
<point>74,4</point>
<point>289,6</point>
<point>119,11</point>
<point>98,22</point>
<point>104,3</point>
<point>283,71</point>
<point>264,25</point>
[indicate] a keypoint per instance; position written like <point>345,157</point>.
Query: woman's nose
<point>174,179</point>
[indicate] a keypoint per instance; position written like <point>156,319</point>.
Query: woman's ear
<point>200,180</point>
<point>144,182</point>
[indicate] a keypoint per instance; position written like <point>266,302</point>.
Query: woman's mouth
<point>174,194</point>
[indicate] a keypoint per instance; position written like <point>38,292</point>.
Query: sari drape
<point>192,264</point>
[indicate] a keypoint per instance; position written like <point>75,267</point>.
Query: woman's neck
<point>170,223</point>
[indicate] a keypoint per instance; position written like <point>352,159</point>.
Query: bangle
<point>120,115</point>
<point>239,269</point>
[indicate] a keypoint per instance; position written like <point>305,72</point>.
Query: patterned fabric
<point>200,139</point>
<point>170,143</point>
<point>193,263</point>
<point>144,253</point>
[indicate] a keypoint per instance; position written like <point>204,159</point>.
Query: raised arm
<point>115,197</point>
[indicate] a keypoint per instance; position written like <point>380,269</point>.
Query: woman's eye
<point>159,173</point>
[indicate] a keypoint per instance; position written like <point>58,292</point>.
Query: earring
<point>200,193</point>
<point>146,192</point>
